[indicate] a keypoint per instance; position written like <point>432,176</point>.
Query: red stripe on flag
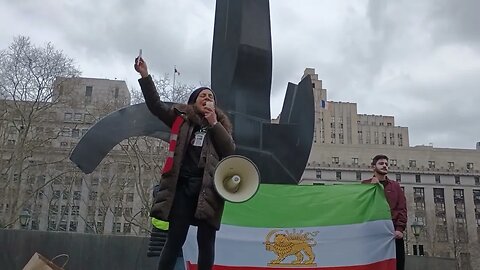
<point>382,265</point>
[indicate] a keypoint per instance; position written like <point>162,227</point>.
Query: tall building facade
<point>442,185</point>
<point>38,179</point>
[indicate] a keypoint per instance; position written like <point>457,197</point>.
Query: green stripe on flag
<point>290,206</point>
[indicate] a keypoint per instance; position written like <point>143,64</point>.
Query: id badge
<point>199,138</point>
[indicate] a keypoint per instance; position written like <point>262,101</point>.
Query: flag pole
<point>174,74</point>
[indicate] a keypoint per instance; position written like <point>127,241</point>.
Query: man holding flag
<point>397,202</point>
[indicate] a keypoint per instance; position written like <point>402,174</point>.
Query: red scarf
<point>173,143</point>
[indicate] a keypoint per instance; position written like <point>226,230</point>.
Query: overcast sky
<point>416,60</point>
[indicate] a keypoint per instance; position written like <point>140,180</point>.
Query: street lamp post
<point>24,219</point>
<point>416,229</point>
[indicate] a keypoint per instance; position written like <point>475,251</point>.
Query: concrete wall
<point>99,252</point>
<point>429,263</point>
<point>86,251</point>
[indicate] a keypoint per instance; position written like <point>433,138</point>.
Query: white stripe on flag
<point>344,245</point>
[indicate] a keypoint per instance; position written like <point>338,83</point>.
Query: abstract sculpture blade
<point>135,120</point>
<point>241,79</point>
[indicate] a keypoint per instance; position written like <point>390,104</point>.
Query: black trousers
<point>400,248</point>
<point>181,216</point>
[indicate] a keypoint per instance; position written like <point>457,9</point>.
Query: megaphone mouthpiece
<point>232,184</point>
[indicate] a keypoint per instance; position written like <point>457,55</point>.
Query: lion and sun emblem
<point>286,244</point>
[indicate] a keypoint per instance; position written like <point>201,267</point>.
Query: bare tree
<point>168,92</point>
<point>178,93</point>
<point>27,75</point>
<point>134,168</point>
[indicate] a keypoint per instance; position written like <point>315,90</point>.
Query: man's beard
<point>381,172</point>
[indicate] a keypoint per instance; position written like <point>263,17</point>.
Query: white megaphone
<point>236,178</point>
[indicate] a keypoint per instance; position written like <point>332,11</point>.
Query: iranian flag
<point>337,227</point>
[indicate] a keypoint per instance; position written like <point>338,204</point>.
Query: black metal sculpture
<point>135,120</point>
<point>241,79</point>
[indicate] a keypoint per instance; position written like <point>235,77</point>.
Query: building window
<point>127,227</point>
<point>95,181</point>
<point>418,178</point>
<point>52,225</point>
<point>477,180</point>
<point>359,175</point>
<point>67,117</point>
<point>451,165</point>
<point>35,224</point>
<point>116,92</point>
<point>78,117</point>
<point>469,166</point>
<point>338,175</point>
<point>335,160</point>
<point>398,177</point>
<point>418,194</point>
<point>75,133</point>
<point>41,180</point>
<point>458,197</point>
<point>53,210</point>
<point>92,196</point>
<point>65,132</point>
<point>367,136</point>
<point>318,174</point>
<point>66,194</point>
<point>89,118</point>
<point>102,211</point>
<point>355,161</point>
<point>476,201</point>
<point>393,162</point>
<point>88,94</point>
<point>88,91</point>
<point>431,164</point>
<point>412,163</point>
<point>73,226</point>
<point>78,181</point>
<point>100,227</point>
<point>90,211</point>
<point>437,179</point>
<point>128,211</point>
<point>52,116</point>
<point>439,196</point>
<point>457,179</point>
<point>441,233</point>
<point>75,210</point>
<point>118,211</point>
<point>117,226</point>
<point>89,227</point>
